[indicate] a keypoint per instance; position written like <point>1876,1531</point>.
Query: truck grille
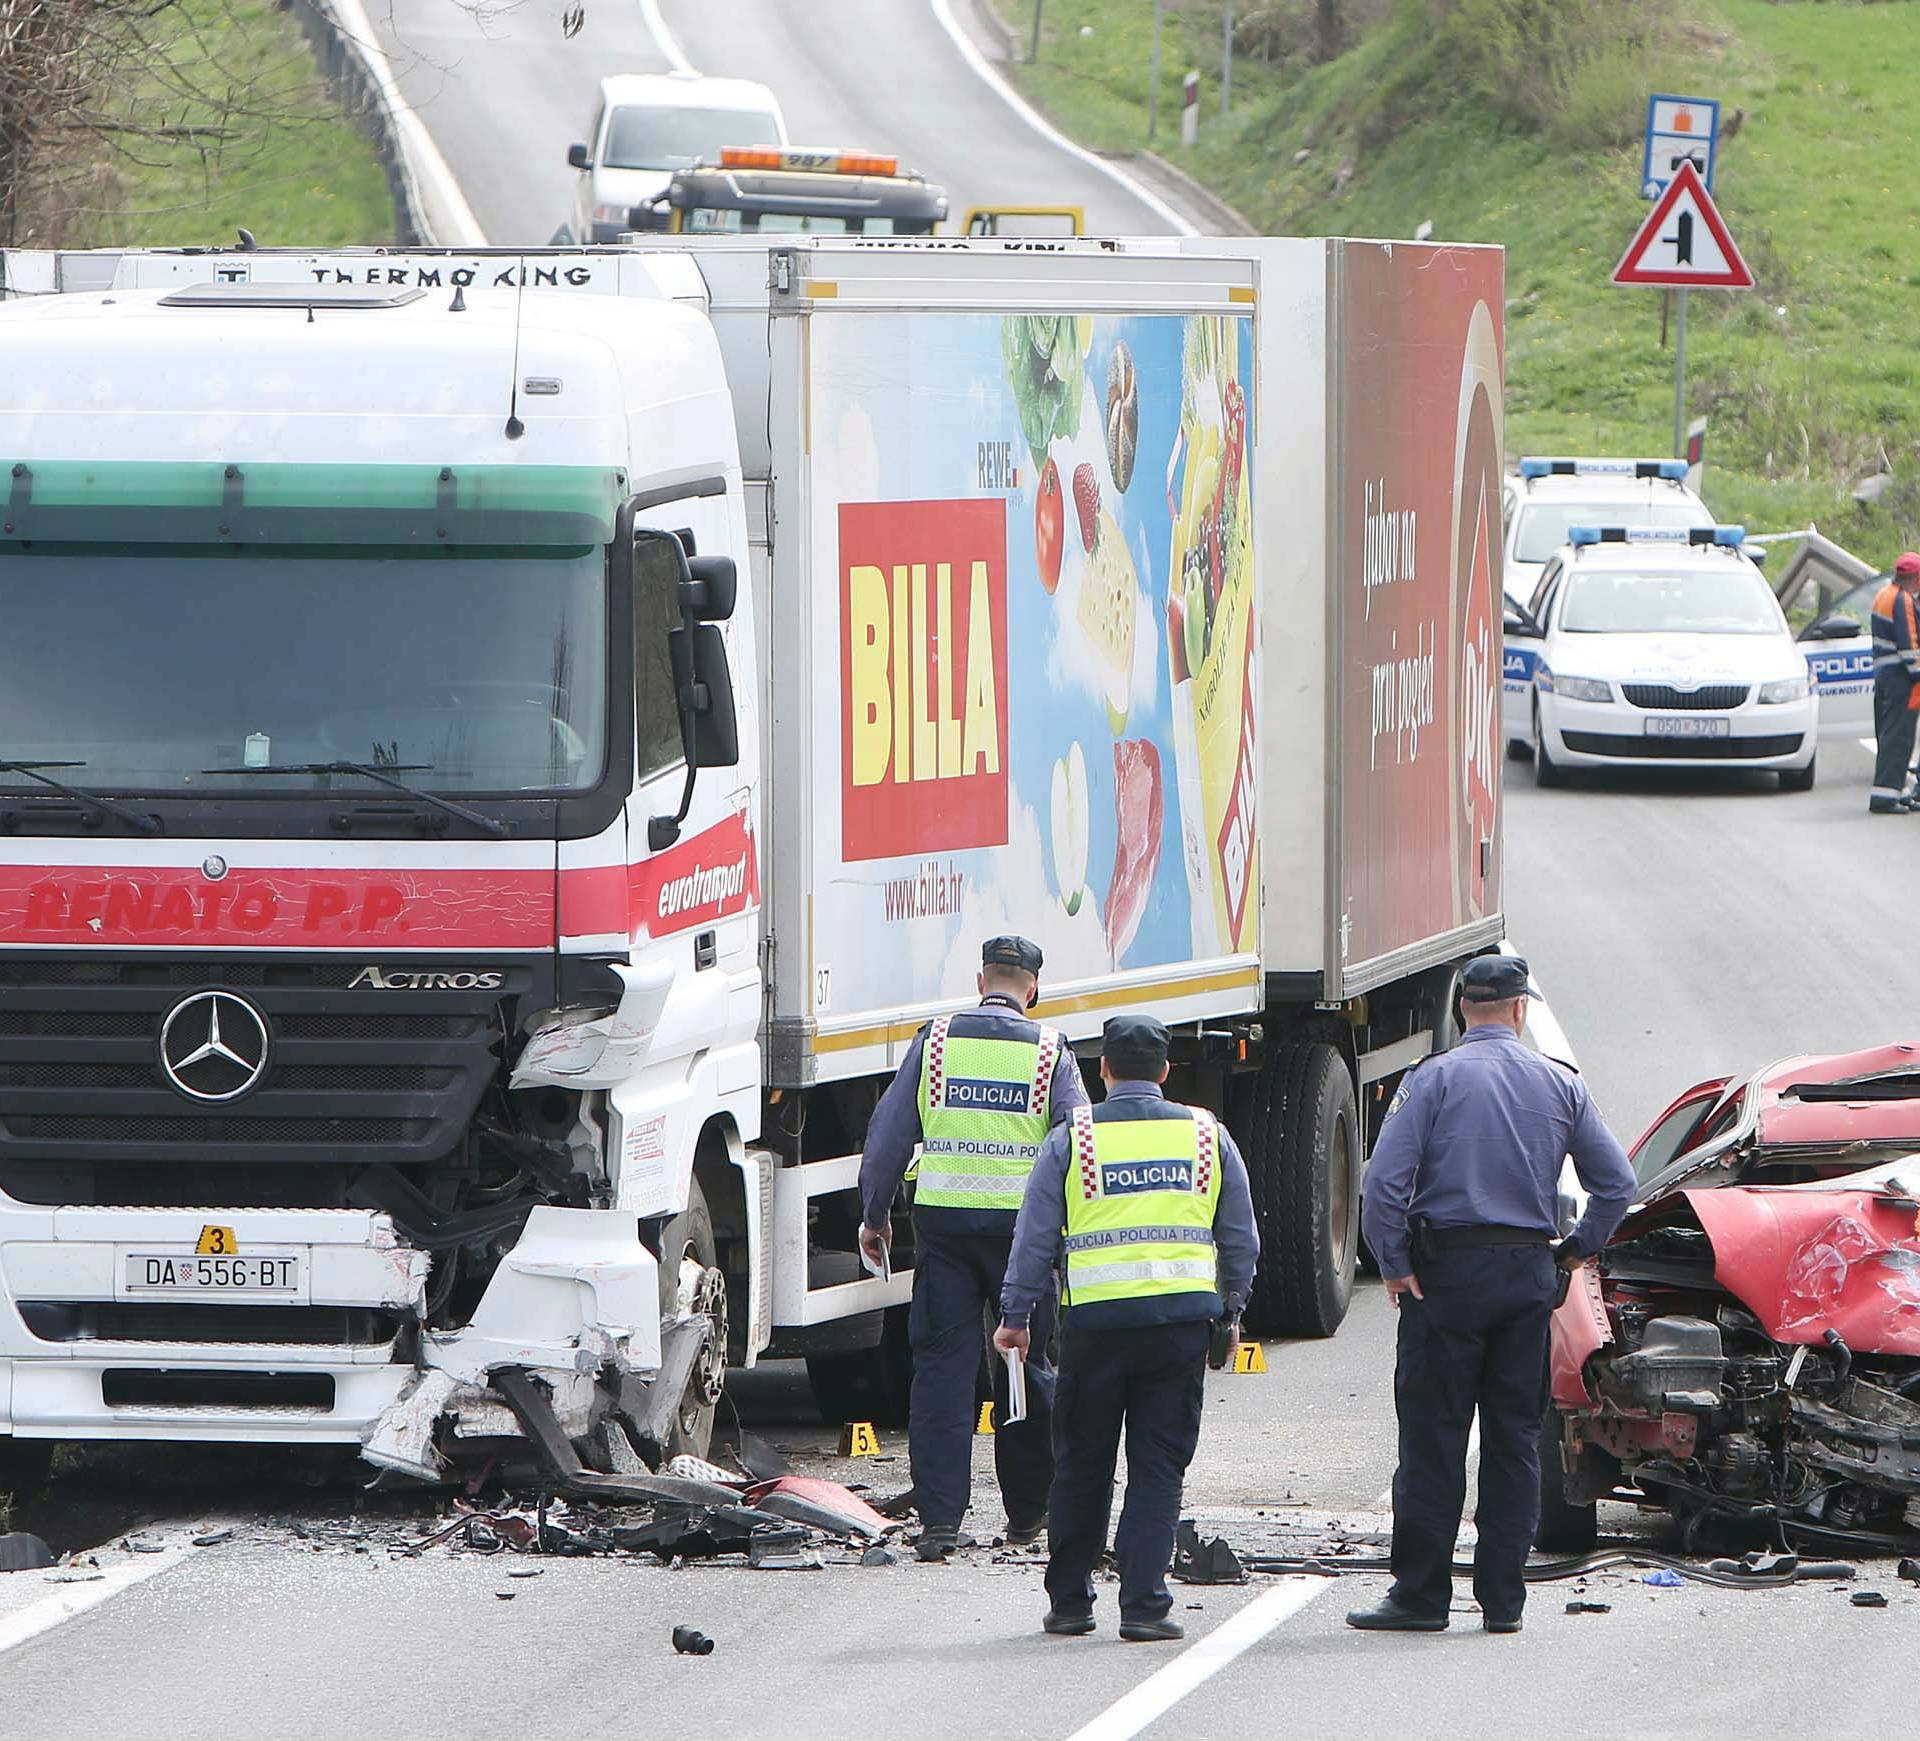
<point>1713,698</point>
<point>353,1075</point>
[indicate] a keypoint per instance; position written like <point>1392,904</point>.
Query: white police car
<point>1645,645</point>
<point>1550,496</point>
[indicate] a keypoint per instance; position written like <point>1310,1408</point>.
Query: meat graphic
<point>1138,818</point>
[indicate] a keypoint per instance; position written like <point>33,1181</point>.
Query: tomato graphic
<point>1049,526</point>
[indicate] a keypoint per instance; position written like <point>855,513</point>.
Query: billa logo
<point>923,677</point>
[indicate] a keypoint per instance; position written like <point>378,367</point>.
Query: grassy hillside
<point>229,123</point>
<point>1809,382</point>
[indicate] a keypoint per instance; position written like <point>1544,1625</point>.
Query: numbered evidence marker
<point>858,1439</point>
<point>986,1419</point>
<point>1684,244</point>
<point>1249,1357</point>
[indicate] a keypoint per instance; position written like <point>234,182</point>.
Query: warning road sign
<point>1684,244</point>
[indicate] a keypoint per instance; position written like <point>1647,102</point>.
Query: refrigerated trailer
<point>503,751</point>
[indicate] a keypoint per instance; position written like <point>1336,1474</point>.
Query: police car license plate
<point>1689,725</point>
<point>179,1274</point>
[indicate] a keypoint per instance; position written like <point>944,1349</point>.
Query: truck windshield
<point>485,669</point>
<point>643,138</point>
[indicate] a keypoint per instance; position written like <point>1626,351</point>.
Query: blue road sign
<point>1679,130</point>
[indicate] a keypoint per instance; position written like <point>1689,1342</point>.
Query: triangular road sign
<point>1684,244</point>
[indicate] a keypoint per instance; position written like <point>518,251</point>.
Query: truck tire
<point>872,1385</point>
<point>1298,1128</point>
<point>1564,1527</point>
<point>691,1281</point>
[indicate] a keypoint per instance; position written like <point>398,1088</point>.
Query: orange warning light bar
<point>819,162</point>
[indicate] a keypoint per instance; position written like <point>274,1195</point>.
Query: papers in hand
<point>884,1268</point>
<point>1016,1385</point>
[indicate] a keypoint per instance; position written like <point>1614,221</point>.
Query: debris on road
<point>1910,1570</point>
<point>213,1538</point>
<point>1209,1562</point>
<point>20,1552</point>
<point>1869,1599</point>
<point>880,1555</point>
<point>689,1642</point>
<point>1589,1607</point>
<point>1663,1578</point>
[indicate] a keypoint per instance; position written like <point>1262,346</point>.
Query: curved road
<point>503,94</point>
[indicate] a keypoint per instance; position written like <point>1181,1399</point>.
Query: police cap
<point>1494,979</point>
<point>1135,1046</point>
<point>1011,952</point>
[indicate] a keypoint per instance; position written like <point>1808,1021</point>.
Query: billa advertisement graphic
<point>1421,688</point>
<point>1043,624</point>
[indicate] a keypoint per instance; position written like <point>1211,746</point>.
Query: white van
<point>646,126</point>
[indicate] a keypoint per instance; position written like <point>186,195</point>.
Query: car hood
<point>1856,1097</point>
<point>628,187</point>
<point>1841,1255</point>
<point>1679,659</point>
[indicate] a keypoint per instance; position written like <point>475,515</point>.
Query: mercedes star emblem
<point>213,1046</point>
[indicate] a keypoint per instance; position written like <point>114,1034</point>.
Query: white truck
<point>449,953</point>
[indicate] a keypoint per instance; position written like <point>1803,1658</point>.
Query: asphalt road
<point>503,93</point>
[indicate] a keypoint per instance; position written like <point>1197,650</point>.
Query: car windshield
<point>147,665</point>
<point>1544,525</point>
<point>1727,600</point>
<point>650,138</point>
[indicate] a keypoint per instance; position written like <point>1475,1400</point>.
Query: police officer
<point>977,1092</point>
<point>1459,1208</point>
<point>1896,686</point>
<point>1160,1244</point>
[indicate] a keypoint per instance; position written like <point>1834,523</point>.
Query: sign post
<point>1683,244</point>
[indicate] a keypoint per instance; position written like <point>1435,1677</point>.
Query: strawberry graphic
<point>1086,500</point>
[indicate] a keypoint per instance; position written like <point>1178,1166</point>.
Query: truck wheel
<point>692,1285</point>
<point>1564,1527</point>
<point>872,1385</point>
<point>1299,1130</point>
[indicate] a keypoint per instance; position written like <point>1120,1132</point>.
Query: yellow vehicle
<point>786,189</point>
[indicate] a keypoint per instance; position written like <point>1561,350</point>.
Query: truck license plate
<point>179,1273</point>
<point>1689,725</point>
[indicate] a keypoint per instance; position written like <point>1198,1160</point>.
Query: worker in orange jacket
<point>1896,686</point>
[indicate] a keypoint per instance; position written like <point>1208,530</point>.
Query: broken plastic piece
<point>1868,1599</point>
<point>1910,1570</point>
<point>1210,1562</point>
<point>880,1555</point>
<point>21,1552</point>
<point>688,1642</point>
<point>213,1538</point>
<point>1589,1607</point>
<point>822,1505</point>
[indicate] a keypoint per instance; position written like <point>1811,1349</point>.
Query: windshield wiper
<point>384,775</point>
<point>107,806</point>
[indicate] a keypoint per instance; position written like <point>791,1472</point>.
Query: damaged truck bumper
<point>337,1353</point>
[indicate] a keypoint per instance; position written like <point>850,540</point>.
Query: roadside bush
<point>1577,70</point>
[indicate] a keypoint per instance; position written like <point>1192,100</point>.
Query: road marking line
<point>68,1600</point>
<point>664,39</point>
<point>943,13</point>
<point>448,208</point>
<point>1202,1659</point>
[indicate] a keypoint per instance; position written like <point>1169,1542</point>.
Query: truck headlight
<point>1783,689</point>
<point>1581,688</point>
<point>612,214</point>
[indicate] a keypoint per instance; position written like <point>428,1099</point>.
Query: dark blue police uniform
<point>1462,1193</point>
<point>960,1262</point>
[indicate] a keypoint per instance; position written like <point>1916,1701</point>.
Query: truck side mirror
<point>705,683</point>
<point>579,157</point>
<point>711,589</point>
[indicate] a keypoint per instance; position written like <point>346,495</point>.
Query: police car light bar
<point>1674,470</point>
<point>1730,537</point>
<point>818,161</point>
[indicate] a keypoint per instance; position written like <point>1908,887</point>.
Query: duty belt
<point>1465,1238</point>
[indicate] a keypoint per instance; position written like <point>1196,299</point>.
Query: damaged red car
<point>1746,1351</point>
